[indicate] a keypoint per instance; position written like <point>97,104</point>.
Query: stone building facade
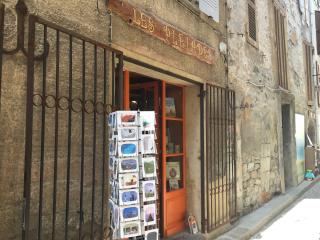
<point>266,144</point>
<point>172,42</point>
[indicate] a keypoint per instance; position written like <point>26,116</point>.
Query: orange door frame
<point>172,202</point>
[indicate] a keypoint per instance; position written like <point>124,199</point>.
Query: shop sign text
<point>163,31</point>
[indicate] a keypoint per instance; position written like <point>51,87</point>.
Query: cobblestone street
<point>300,221</point>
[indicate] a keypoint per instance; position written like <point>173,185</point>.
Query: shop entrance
<point>167,100</point>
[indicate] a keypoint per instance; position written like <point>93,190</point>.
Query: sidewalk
<point>253,222</point>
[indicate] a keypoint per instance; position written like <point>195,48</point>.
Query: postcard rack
<point>133,177</point>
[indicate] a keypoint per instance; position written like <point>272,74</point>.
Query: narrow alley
<point>299,221</point>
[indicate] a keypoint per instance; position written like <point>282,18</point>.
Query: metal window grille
<point>220,169</point>
<point>68,100</point>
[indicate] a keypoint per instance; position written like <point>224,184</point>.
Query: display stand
<point>133,176</point>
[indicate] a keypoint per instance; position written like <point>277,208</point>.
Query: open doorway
<point>167,100</point>
<point>286,140</point>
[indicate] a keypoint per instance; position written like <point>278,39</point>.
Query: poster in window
<point>170,107</point>
<point>173,170</point>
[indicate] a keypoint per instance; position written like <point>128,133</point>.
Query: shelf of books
<point>174,141</point>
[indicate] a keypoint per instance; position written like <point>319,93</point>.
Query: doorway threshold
<point>186,236</point>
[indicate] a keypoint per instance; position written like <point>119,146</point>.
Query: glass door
<point>173,158</point>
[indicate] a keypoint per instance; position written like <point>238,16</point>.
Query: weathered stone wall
<point>12,131</point>
<point>253,75</point>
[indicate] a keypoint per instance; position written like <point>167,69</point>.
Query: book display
<point>133,177</point>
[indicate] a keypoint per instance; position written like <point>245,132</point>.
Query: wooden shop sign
<point>163,31</point>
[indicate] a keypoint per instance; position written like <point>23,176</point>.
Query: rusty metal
<point>2,8</point>
<point>220,163</point>
<point>61,107</point>
<point>163,31</point>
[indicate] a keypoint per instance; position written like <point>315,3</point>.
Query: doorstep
<point>252,223</point>
<point>186,236</point>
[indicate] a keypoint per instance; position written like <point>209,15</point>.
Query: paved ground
<point>300,221</point>
<point>249,225</point>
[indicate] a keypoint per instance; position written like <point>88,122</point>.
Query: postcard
<point>149,190</point>
<point>111,161</point>
<point>152,234</point>
<point>114,214</point>
<point>115,192</point>
<point>128,165</point>
<point>149,214</point>
<point>127,133</point>
<point>129,213</point>
<point>130,229</point>
<point>147,120</point>
<point>148,145</point>
<point>128,180</point>
<point>173,170</point>
<point>110,119</point>
<point>127,118</point>
<point>127,197</point>
<point>112,147</point>
<point>128,149</point>
<point>148,167</point>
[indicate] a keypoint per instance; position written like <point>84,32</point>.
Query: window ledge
<point>194,8</point>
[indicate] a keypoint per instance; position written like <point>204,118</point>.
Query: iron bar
<point>94,141</point>
<point>208,148</point>
<point>83,115</point>
<point>229,152</point>
<point>29,128</point>
<point>43,127</point>
<point>219,151</point>
<point>104,125</point>
<point>234,155</point>
<point>56,137</point>
<point>113,79</point>
<point>225,174</point>
<point>69,141</point>
<point>204,195</point>
<point>215,153</point>
<point>1,45</point>
<point>222,153</point>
